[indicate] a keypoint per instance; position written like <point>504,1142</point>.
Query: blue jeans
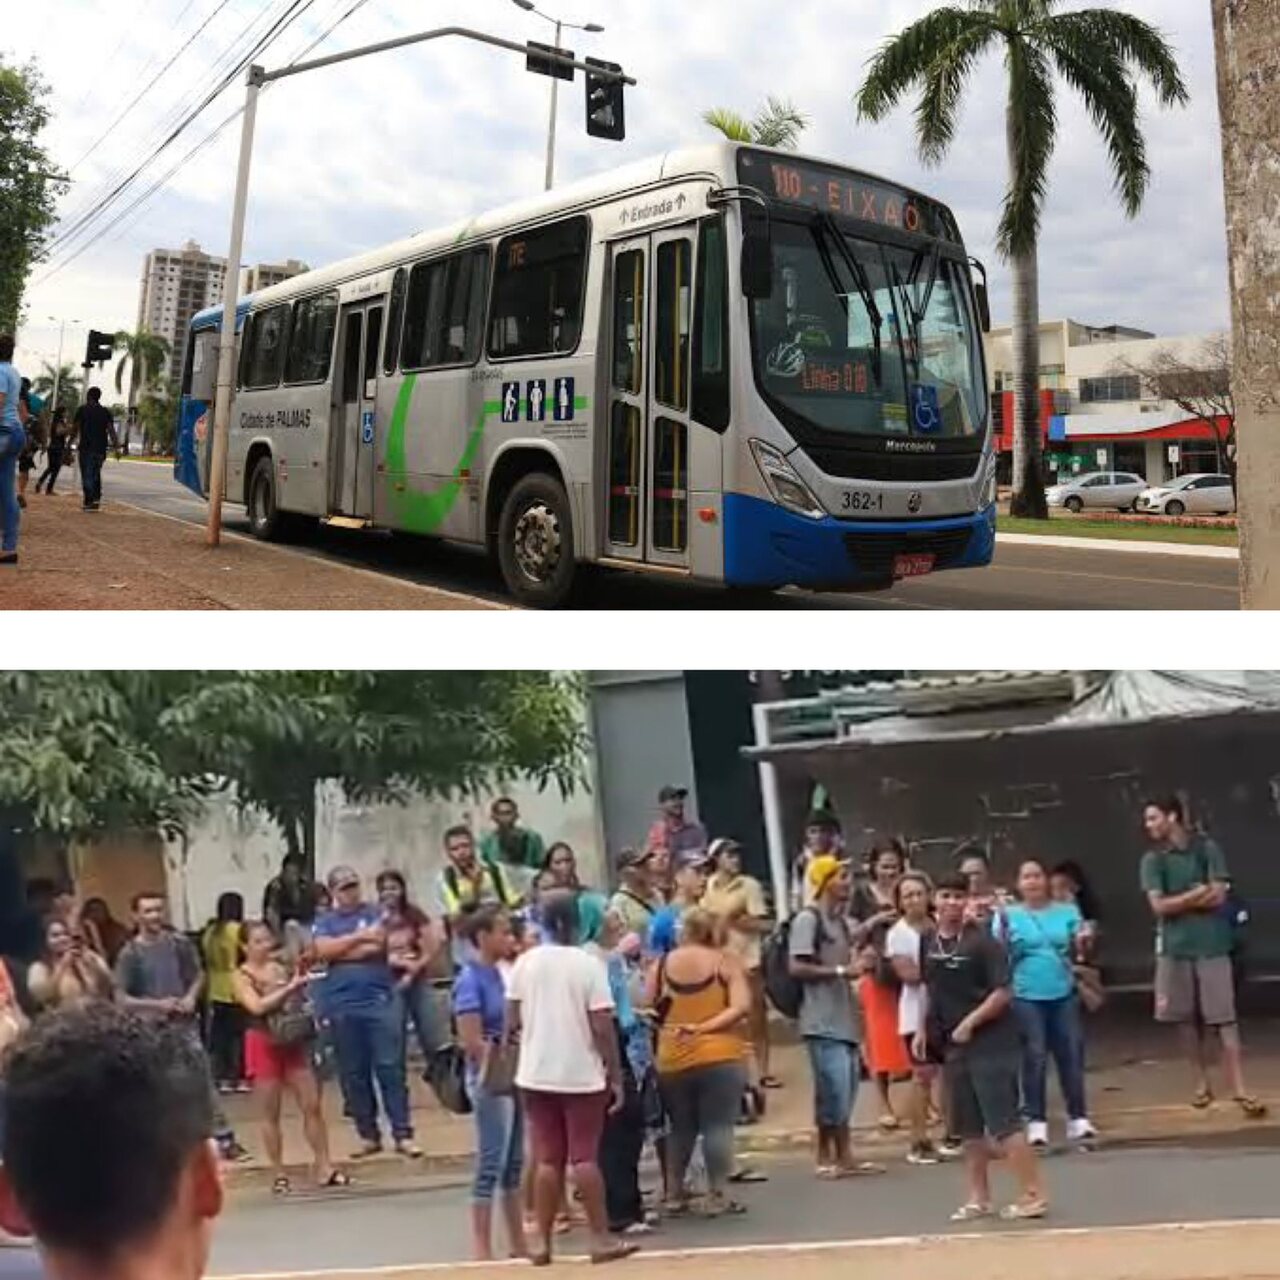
<point>835,1081</point>
<point>428,1008</point>
<point>499,1143</point>
<point>370,1047</point>
<point>1052,1028</point>
<point>11,443</point>
<point>91,475</point>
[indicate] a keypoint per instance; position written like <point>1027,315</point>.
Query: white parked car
<point>1198,495</point>
<point>1108,490</point>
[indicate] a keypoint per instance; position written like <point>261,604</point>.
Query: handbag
<point>292,1024</point>
<point>1086,979</point>
<point>446,1073</point>
<point>498,1069</point>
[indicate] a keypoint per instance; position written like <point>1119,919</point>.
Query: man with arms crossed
<point>1185,878</point>
<point>969,1025</point>
<point>138,1201</point>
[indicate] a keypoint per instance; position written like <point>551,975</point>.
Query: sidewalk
<point>1208,1251</point>
<point>123,558</point>
<point>1138,1093</point>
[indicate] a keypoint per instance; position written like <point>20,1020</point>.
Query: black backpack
<point>785,992</point>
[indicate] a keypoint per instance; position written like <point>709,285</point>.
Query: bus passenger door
<point>669,455</point>
<point>355,416</point>
<point>625,533</point>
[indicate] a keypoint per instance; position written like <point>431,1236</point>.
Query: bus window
<point>711,328</point>
<point>394,316</point>
<point>671,337</point>
<point>311,342</point>
<point>444,311</point>
<point>351,361</point>
<point>624,475</point>
<point>670,485</point>
<point>538,286</point>
<point>264,348</point>
<point>628,321</point>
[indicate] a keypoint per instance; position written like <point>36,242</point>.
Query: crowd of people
<point>30,429</point>
<point>579,1028</point>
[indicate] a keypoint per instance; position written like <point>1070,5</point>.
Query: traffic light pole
<point>258,79</point>
<point>551,128</point>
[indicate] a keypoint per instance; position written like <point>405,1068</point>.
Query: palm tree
<point>778,124</point>
<point>1101,54</point>
<point>68,381</point>
<point>145,353</point>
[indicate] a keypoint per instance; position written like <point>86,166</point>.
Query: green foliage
<point>1101,53</point>
<point>70,386</point>
<point>778,124</point>
<point>28,192</point>
<point>87,752</point>
<point>145,354</point>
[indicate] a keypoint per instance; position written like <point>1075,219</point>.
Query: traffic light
<point>101,347</point>
<point>606,115</point>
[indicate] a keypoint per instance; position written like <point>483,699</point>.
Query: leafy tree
<point>158,414</point>
<point>70,385</point>
<point>28,187</point>
<point>144,354</point>
<point>778,124</point>
<point>1101,54</point>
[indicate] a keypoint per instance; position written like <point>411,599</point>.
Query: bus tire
<point>266,522</point>
<point>535,542</point>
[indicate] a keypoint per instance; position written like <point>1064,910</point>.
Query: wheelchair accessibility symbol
<point>366,427</point>
<point>926,413</point>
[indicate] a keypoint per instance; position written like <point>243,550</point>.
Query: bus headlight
<point>786,486</point>
<point>989,489</point>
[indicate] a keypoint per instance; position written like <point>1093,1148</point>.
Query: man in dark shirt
<point>970,1026</point>
<point>93,428</point>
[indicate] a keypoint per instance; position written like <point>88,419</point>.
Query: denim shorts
<point>835,1081</point>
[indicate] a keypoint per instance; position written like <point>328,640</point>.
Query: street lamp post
<point>593,28</point>
<point>258,78</point>
<point>57,368</point>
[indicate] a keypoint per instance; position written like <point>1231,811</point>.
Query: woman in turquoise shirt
<point>1041,935</point>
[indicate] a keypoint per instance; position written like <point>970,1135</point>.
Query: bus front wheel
<point>535,542</point>
<point>265,520</point>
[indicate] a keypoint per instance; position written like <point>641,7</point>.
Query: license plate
<point>913,566</point>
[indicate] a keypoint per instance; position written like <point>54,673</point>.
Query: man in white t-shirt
<point>569,1073</point>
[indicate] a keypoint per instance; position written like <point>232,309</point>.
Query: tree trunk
<point>1247,36</point>
<point>1028,452</point>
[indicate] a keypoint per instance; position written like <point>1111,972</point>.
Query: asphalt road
<point>1106,1189</point>
<point>1022,577</point>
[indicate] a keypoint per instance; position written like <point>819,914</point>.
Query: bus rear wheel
<point>535,542</point>
<point>265,520</point>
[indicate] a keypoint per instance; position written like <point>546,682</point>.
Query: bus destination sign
<point>845,194</point>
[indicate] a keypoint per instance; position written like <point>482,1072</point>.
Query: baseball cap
<point>341,876</point>
<point>634,857</point>
<point>823,818</point>
<point>671,792</point>
<point>721,844</point>
<point>691,858</point>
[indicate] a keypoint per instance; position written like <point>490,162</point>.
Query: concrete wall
<point>1248,46</point>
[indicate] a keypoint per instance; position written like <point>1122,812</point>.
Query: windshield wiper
<point>860,278</point>
<point>915,315</point>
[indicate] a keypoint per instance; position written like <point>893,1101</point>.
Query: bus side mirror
<point>982,296</point>
<point>757,264</point>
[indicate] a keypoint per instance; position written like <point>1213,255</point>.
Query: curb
<point>1151,547</point>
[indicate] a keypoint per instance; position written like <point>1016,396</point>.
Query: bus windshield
<point>865,338</point>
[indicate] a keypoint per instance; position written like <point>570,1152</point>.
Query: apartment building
<point>1095,412</point>
<point>176,283</point>
<point>265,274</point>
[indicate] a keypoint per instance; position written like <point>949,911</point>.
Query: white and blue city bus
<point>728,365</point>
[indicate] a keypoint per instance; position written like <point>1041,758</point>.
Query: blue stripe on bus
<point>767,546</point>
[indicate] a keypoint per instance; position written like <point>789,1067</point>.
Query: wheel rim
<point>1175,509</point>
<point>537,543</point>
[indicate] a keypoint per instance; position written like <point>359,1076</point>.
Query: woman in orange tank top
<point>702,1000</point>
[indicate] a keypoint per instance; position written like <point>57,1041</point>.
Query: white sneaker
<point>1080,1130</point>
<point>1038,1133</point>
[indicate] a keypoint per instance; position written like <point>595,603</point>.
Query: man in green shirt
<point>511,846</point>
<point>1185,878</point>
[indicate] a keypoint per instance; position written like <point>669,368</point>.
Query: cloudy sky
<point>354,156</point>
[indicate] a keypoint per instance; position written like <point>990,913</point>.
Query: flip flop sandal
<point>888,1123</point>
<point>745,1176</point>
<point>674,1209</point>
<point>1024,1211</point>
<point>367,1151</point>
<point>770,1082</point>
<point>972,1213</point>
<point>863,1169</point>
<point>723,1209</point>
<point>1253,1108</point>
<point>1202,1099</point>
<point>615,1253</point>
<point>281,1187</point>
<point>540,1259</point>
<point>337,1179</point>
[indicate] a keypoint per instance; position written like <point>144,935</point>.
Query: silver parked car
<point>1199,495</point>
<point>1106,490</point>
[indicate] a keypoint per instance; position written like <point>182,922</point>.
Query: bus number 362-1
<point>856,501</point>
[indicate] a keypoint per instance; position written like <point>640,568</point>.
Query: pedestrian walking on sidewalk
<point>703,1003</point>
<point>277,1052</point>
<point>970,1025</point>
<point>560,1008</point>
<point>158,973</point>
<point>55,452</point>
<point>479,1006</point>
<point>106,1156</point>
<point>823,960</point>
<point>1042,937</point>
<point>13,438</point>
<point>92,429</point>
<point>364,1017</point>
<point>1188,887</point>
